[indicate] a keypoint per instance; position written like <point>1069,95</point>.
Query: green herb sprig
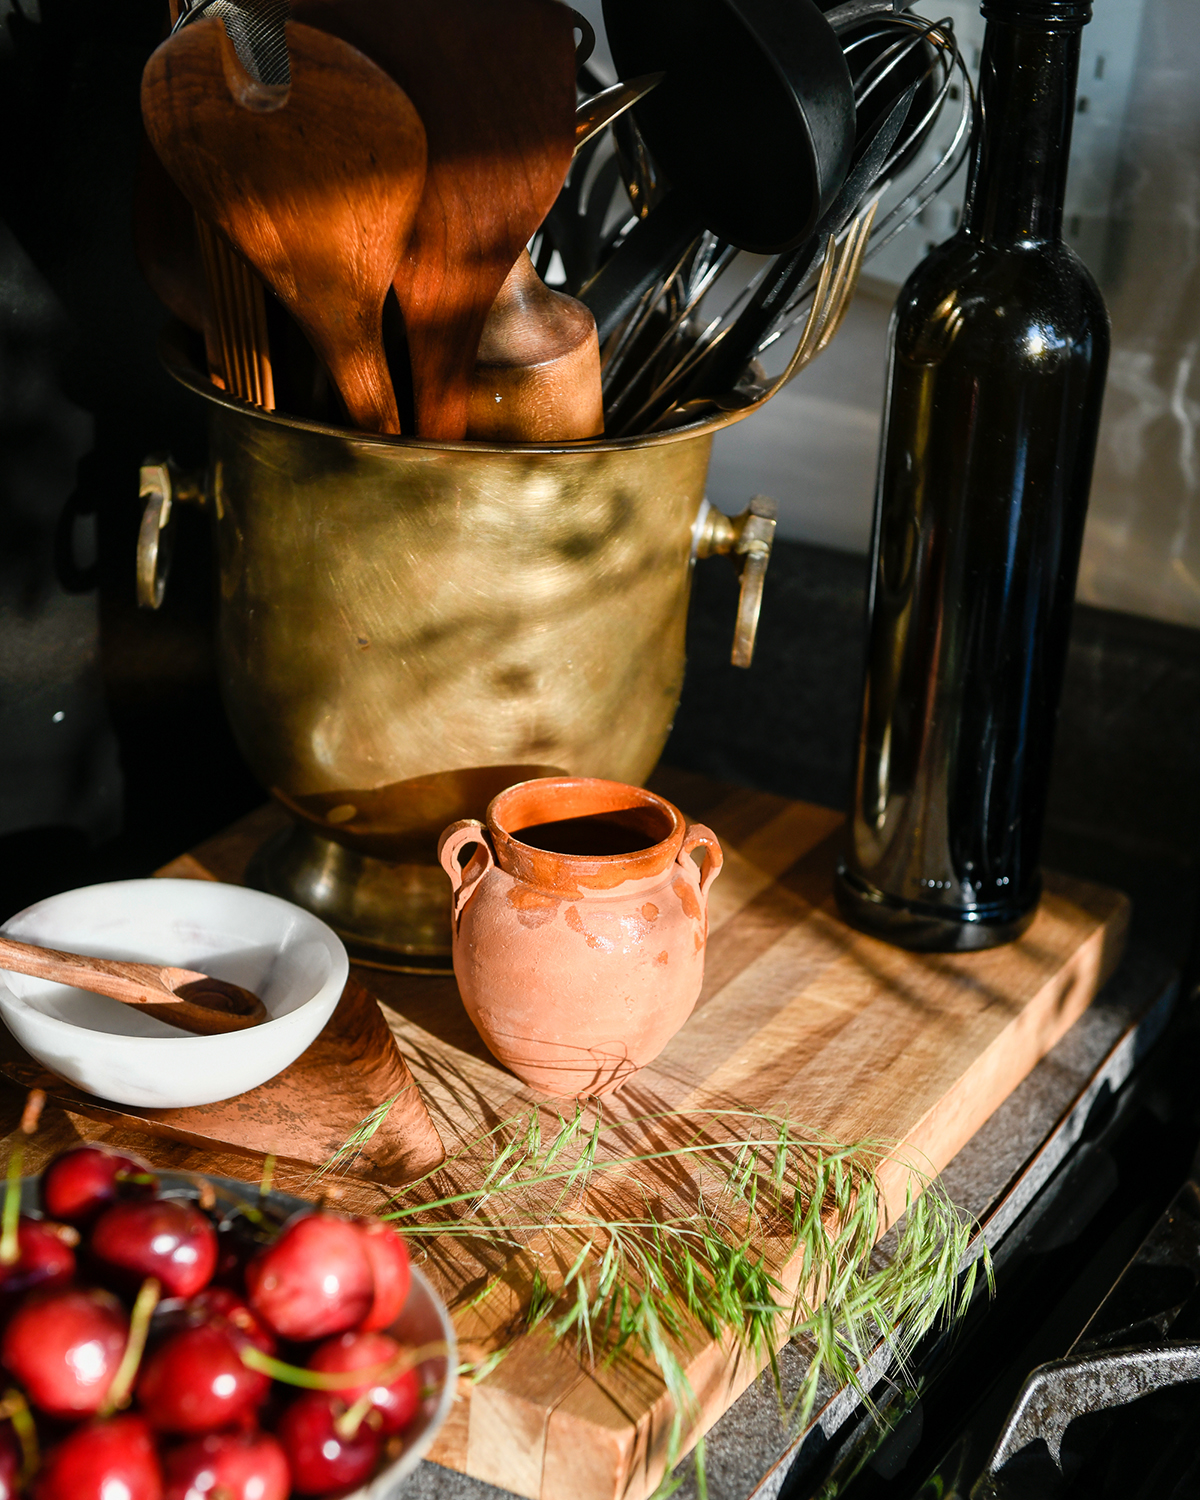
<point>737,1222</point>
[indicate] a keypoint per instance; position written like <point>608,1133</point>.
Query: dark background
<point>140,765</point>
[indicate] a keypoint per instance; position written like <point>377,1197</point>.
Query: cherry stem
<point>346,1426</point>
<point>206,1193</point>
<point>35,1102</point>
<point>268,1177</point>
<point>15,1409</point>
<point>10,1250</point>
<point>338,1380</point>
<point>135,1346</point>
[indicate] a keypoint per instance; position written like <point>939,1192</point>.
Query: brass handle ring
<point>750,537</point>
<point>161,483</point>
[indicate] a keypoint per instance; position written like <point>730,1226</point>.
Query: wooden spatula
<point>537,373</point>
<point>193,272</point>
<point>315,185</point>
<point>192,1001</point>
<point>164,241</point>
<point>495,85</point>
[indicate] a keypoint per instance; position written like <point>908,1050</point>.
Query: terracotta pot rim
<point>536,865</point>
<point>645,797</point>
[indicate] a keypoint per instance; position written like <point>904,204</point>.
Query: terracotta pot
<point>579,924</point>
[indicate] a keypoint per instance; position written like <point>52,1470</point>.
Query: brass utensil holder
<point>406,627</point>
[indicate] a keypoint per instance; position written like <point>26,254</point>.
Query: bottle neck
<point>1027,81</point>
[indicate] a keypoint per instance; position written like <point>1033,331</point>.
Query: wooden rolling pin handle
<point>537,374</point>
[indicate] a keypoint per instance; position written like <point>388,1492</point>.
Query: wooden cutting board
<point>302,1115</point>
<point>798,1014</point>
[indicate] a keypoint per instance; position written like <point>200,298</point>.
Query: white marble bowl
<point>291,960</point>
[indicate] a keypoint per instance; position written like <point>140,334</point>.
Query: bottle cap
<point>1050,14</point>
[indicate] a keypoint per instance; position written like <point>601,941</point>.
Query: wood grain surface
<point>537,377</point>
<point>852,1038</point>
<point>303,1114</point>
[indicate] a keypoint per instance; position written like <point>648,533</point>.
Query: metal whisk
<point>659,361</point>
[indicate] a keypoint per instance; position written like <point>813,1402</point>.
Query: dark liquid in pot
<point>598,833</point>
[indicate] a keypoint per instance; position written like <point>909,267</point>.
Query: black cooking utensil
<point>643,399</point>
<point>721,368</point>
<point>753,125</point>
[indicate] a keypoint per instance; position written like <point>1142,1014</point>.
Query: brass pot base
<point>389,916</point>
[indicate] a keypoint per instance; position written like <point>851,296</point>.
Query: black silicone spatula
<point>753,125</point>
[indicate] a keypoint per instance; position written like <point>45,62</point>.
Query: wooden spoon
<point>316,185</point>
<point>495,85</point>
<point>195,1002</point>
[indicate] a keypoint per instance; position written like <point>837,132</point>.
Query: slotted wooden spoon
<point>187,999</point>
<point>495,85</point>
<point>316,185</point>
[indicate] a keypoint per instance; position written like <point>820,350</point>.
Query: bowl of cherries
<point>170,1336</point>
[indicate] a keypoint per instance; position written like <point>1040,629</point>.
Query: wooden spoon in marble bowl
<point>183,997</point>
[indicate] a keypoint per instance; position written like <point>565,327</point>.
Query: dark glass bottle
<point>998,350</point>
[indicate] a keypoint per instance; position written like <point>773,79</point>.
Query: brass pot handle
<point>749,536</point>
<point>161,483</point>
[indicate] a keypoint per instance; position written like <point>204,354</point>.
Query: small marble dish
<point>295,963</point>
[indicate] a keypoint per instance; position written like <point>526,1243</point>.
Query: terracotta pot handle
<point>696,835</point>
<point>454,839</point>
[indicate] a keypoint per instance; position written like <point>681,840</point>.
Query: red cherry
<point>10,1462</point>
<point>64,1347</point>
<point>216,1302</point>
<point>396,1402</point>
<point>164,1238</point>
<point>319,1459</point>
<point>81,1182</point>
<point>388,1255</point>
<point>227,1466</point>
<point>44,1257</point>
<point>195,1382</point>
<point>101,1462</point>
<point>314,1280</point>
